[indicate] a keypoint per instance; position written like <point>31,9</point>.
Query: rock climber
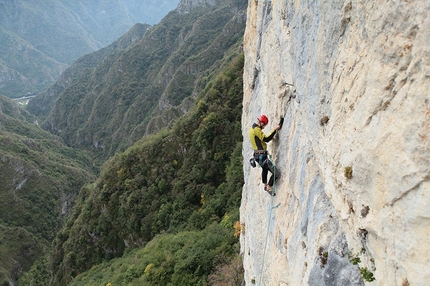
<point>259,144</point>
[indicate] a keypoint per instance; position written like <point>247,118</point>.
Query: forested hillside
<point>182,185</point>
<point>163,107</point>
<point>38,39</point>
<point>40,177</point>
<point>117,99</point>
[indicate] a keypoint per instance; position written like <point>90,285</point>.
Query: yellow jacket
<point>258,138</point>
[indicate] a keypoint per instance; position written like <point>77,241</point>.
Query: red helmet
<point>263,118</point>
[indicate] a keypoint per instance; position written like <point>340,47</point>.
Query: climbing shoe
<point>269,190</point>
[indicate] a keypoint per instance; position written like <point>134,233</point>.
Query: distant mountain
<point>38,39</point>
<point>45,101</point>
<point>40,177</point>
<point>122,94</point>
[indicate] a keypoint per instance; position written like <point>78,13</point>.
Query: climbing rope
<point>270,217</point>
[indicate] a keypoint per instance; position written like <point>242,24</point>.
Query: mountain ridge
<point>157,66</point>
<point>39,39</point>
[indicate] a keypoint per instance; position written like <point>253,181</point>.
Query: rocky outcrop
<point>185,6</point>
<point>352,203</point>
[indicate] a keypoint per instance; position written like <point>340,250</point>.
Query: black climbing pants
<point>267,167</point>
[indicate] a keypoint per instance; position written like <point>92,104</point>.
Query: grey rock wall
<point>352,80</point>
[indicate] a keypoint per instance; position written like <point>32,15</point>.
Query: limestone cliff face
<point>352,79</point>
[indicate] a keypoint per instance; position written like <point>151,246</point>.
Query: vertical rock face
<point>352,79</point>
